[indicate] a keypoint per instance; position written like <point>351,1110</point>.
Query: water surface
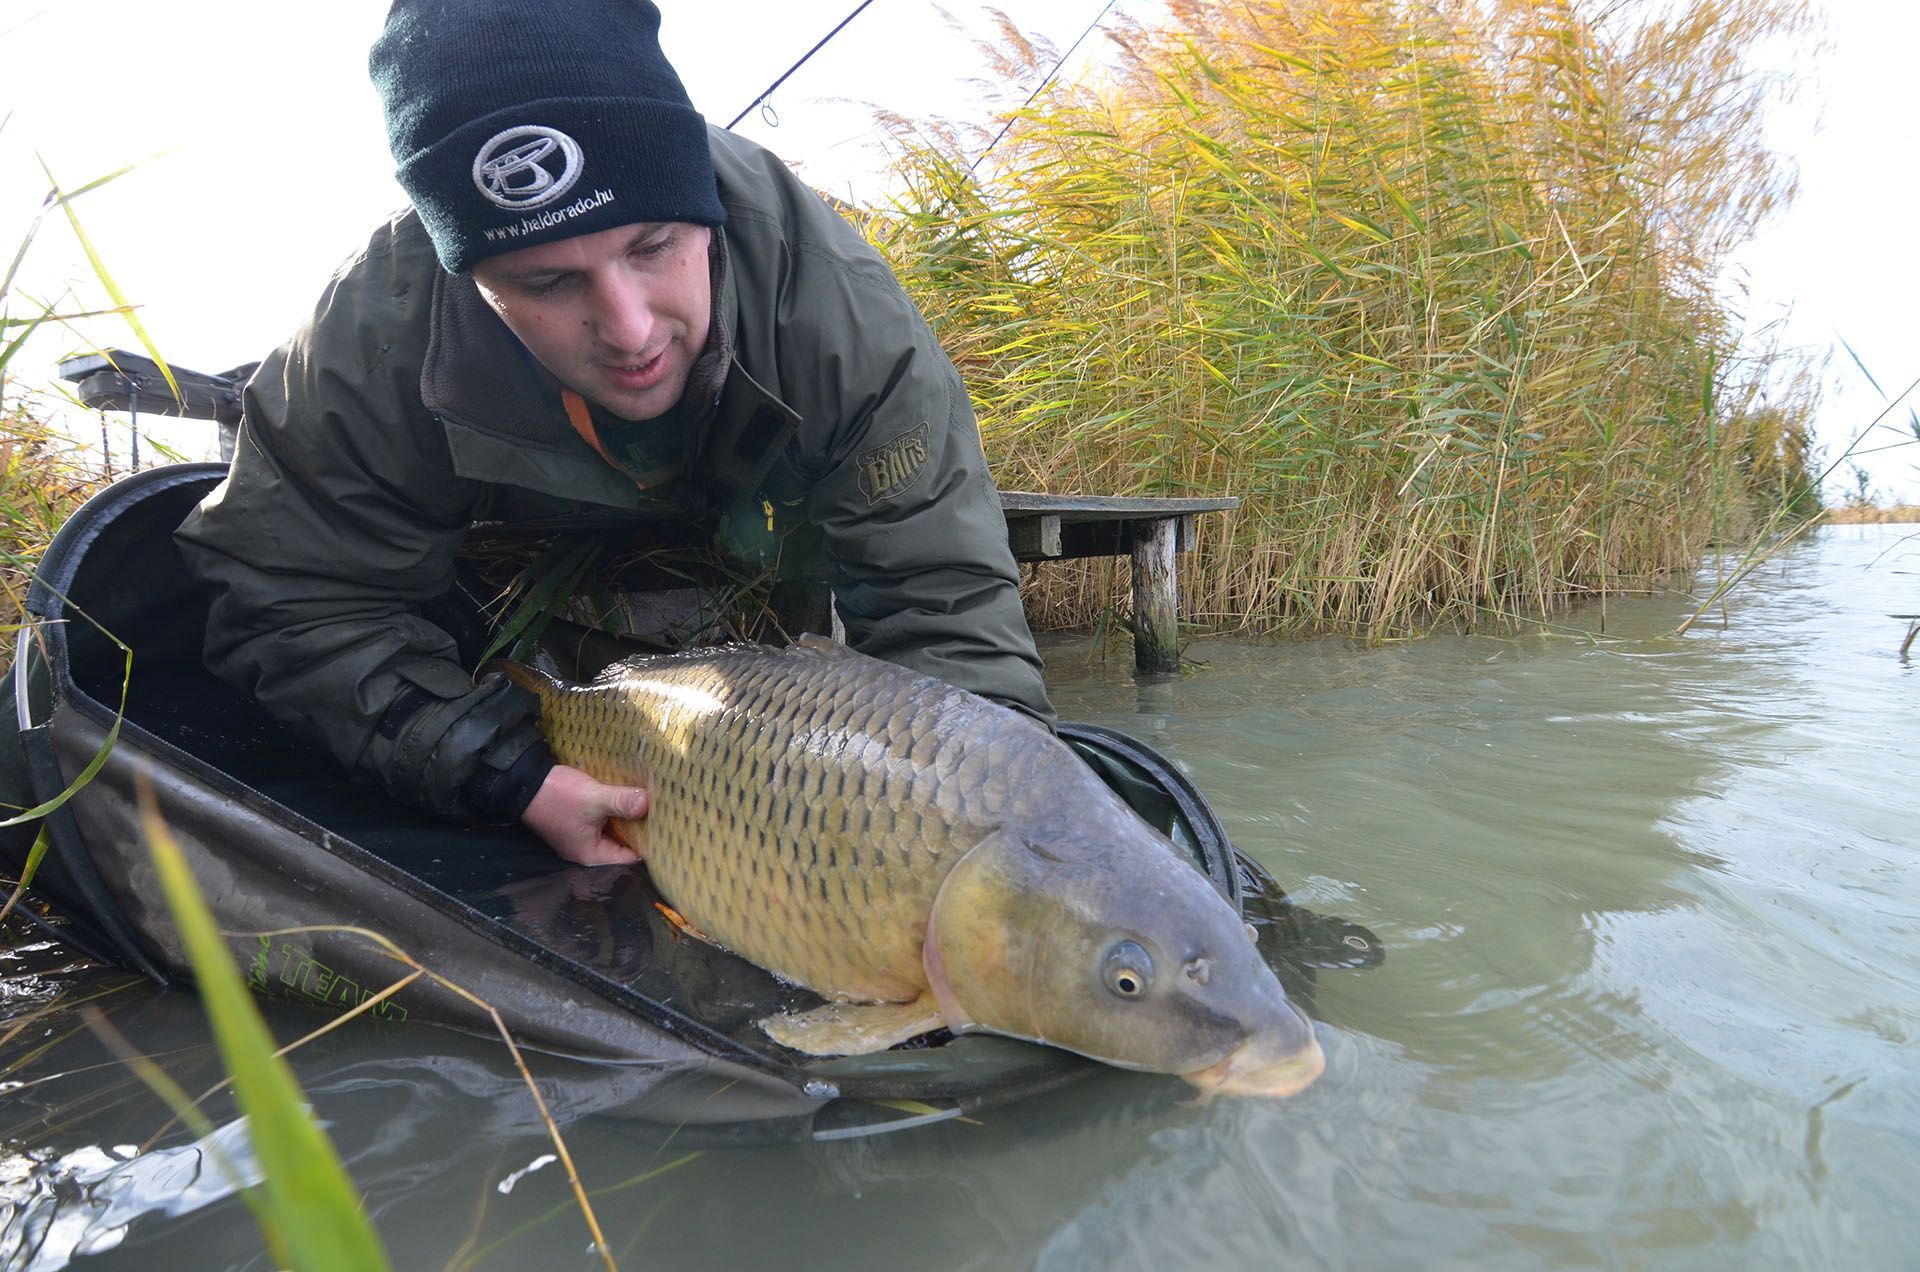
<point>1651,998</point>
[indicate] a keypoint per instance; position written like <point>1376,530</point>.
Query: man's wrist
<point>502,795</point>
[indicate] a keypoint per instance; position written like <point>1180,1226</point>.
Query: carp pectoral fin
<point>631,833</point>
<point>678,923</point>
<point>854,1029</point>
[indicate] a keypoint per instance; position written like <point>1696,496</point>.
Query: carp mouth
<point>1253,1069</point>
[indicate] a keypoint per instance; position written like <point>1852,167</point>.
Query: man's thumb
<point>630,802</point>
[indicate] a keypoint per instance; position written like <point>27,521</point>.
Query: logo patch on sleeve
<point>886,471</point>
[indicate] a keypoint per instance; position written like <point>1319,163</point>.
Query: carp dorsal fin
<point>853,1029</point>
<point>816,644</point>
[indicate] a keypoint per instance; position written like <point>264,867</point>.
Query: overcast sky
<point>277,165</point>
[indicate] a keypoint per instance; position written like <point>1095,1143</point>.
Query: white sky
<point>277,166</point>
<point>1844,263</point>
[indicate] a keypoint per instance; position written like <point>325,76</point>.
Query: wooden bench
<point>1151,531</point>
<point>116,380</point>
<point>1039,528</point>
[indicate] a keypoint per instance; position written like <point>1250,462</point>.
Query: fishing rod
<point>1097,20</point>
<point>768,90</point>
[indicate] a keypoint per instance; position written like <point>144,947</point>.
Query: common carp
<point>921,858</point>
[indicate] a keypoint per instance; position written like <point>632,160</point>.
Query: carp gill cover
<point>923,858</point>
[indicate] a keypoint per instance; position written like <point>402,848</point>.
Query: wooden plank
<point>1156,623</point>
<point>1103,507</point>
<point>1034,538</point>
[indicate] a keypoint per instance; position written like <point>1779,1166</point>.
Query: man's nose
<point>622,313</point>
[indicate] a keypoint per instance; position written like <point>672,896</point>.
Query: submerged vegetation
<point>1434,288</point>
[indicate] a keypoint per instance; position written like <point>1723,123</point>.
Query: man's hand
<point>571,810</point>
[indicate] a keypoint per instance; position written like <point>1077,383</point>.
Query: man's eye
<point>655,247</point>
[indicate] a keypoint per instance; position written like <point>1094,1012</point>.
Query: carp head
<point>1127,955</point>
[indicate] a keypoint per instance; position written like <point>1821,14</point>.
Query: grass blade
<point>106,279</point>
<point>310,1209</point>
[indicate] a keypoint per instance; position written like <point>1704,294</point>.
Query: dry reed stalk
<point>1871,514</point>
<point>41,484</point>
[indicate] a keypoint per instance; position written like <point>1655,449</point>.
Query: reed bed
<point>43,479</point>
<point>1434,288</point>
<point>1875,514</point>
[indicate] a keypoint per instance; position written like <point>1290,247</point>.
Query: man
<point>596,301</point>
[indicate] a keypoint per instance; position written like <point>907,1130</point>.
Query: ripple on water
<point>1652,978</point>
<point>62,1206</point>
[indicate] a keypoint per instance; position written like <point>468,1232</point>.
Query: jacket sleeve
<point>923,574</point>
<point>338,522</point>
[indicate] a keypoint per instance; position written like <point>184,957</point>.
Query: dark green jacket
<point>405,411</point>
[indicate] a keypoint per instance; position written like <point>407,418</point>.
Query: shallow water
<point>1651,998</point>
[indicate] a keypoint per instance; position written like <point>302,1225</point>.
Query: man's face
<point>619,316</point>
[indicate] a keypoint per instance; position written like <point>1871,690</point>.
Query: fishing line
<point>1098,18</point>
<point>768,90</point>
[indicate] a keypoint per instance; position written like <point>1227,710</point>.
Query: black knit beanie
<point>517,122</point>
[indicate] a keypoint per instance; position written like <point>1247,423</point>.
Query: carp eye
<point>1128,969</point>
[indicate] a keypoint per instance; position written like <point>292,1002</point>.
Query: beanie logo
<point>527,167</point>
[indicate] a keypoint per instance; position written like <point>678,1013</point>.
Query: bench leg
<point>802,606</point>
<point>1156,631</point>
